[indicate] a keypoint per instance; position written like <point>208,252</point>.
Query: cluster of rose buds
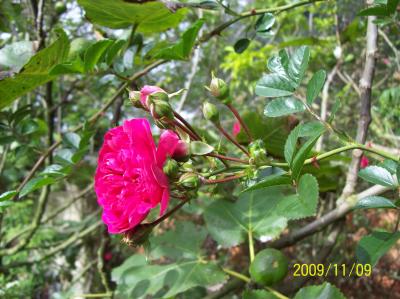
<point>135,176</point>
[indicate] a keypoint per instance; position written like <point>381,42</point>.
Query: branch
<point>327,219</point>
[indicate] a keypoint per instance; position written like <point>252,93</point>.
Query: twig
<point>242,123</point>
<point>231,139</point>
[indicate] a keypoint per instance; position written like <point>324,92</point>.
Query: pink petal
<point>146,91</point>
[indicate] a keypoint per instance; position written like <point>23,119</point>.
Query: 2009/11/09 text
<point>321,270</point>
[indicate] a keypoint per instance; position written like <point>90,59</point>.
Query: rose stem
<point>227,158</point>
<point>237,115</point>
<point>223,180</point>
<point>231,139</point>
<point>178,116</point>
<point>169,213</point>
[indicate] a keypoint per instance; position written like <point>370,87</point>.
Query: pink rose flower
<point>236,128</point>
<point>129,180</point>
<point>364,162</point>
<point>146,91</point>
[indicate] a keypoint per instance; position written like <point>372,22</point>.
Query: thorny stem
<point>223,180</point>
<point>248,280</point>
<point>231,139</point>
<point>227,158</point>
<point>178,116</point>
<point>242,123</point>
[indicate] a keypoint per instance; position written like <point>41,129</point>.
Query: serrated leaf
<point>74,67</point>
<point>113,50</point>
<point>323,291</point>
<point>137,279</point>
<point>298,63</point>
<point>304,203</point>
<point>311,129</point>
<point>94,53</point>
<point>35,72</point>
<point>392,6</point>
<point>229,223</point>
<point>182,49</point>
<point>372,247</point>
<point>54,170</point>
<point>265,23</point>
<point>291,145</point>
<point>72,139</point>
<point>200,148</point>
<point>35,184</point>
<point>374,202</point>
<point>377,175</point>
<point>283,106</point>
<point>8,195</point>
<point>182,243</point>
<point>241,45</point>
<point>315,86</point>
<point>302,155</point>
<point>271,180</point>
<point>274,85</point>
<point>389,165</point>
<point>151,16</point>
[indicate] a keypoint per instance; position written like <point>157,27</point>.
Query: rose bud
<point>258,154</point>
<point>181,152</point>
<point>134,97</point>
<point>364,162</point>
<point>189,180</point>
<point>161,109</point>
<point>171,168</point>
<point>219,89</point>
<point>236,128</point>
<point>210,112</point>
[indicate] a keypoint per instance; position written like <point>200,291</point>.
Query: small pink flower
<point>236,128</point>
<point>129,180</point>
<point>386,61</point>
<point>364,162</point>
<point>108,256</point>
<point>146,91</point>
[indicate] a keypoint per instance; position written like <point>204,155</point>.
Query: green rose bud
<point>258,154</point>
<point>219,89</point>
<point>189,180</point>
<point>171,168</point>
<point>134,97</point>
<point>211,112</point>
<point>161,109</point>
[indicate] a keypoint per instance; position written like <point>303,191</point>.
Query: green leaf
<point>241,45</point>
<point>265,23</point>
<point>334,110</point>
<point>315,85</point>
<point>323,291</point>
<point>229,223</point>
<point>377,175</point>
<point>94,53</point>
<point>311,129</point>
<point>302,155</point>
<point>392,6</point>
<point>271,180</point>
<point>257,294</point>
<point>372,247</point>
<point>152,16</point>
<point>200,148</point>
<point>137,279</point>
<point>377,10</point>
<point>182,49</point>
<point>304,203</point>
<point>74,67</point>
<point>298,63</point>
<point>4,204</point>
<point>114,49</point>
<point>72,139</point>
<point>35,72</point>
<point>389,165</point>
<point>35,184</point>
<point>274,85</point>
<point>54,170</point>
<point>374,202</point>
<point>182,243</point>
<point>283,106</point>
<point>398,173</point>
<point>15,55</point>
<point>291,144</point>
<point>8,195</point>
